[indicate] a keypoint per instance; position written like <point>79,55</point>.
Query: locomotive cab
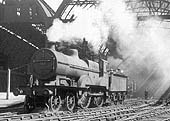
<point>102,67</point>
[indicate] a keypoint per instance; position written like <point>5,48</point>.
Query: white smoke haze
<point>89,24</point>
<point>147,45</point>
<point>150,49</point>
<point>54,4</point>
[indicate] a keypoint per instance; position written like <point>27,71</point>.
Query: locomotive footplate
<point>92,90</point>
<point>96,88</point>
<point>45,90</point>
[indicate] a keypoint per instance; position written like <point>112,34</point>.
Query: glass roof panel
<point>47,12</point>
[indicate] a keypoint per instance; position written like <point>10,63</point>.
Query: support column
<point>8,83</point>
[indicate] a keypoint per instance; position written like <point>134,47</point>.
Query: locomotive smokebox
<point>43,64</point>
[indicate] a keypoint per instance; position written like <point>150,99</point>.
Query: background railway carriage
<point>67,81</point>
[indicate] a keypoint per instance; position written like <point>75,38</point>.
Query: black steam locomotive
<point>61,80</point>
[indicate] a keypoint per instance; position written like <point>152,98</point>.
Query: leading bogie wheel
<point>70,101</point>
<point>55,103</point>
<point>28,104</point>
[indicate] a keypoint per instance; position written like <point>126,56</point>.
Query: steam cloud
<point>146,46</point>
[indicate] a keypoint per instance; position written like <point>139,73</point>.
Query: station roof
<point>150,8</point>
<point>31,11</point>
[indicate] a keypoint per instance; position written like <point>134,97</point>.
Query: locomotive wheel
<point>98,101</point>
<point>55,103</point>
<point>121,99</point>
<point>115,99</point>
<point>124,96</point>
<point>85,100</point>
<point>70,101</point>
<point>115,102</point>
<point>28,104</point>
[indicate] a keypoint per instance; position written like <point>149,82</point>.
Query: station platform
<point>12,101</point>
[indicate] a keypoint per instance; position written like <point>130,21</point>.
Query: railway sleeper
<point>100,110</point>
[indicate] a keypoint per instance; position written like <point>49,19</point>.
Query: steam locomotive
<point>60,80</point>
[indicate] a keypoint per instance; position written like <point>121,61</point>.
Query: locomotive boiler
<point>61,80</point>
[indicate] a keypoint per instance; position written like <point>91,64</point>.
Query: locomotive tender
<point>68,81</point>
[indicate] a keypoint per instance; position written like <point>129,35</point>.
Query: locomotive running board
<point>96,94</point>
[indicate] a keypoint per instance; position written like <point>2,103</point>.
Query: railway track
<point>14,109</point>
<point>133,110</point>
<point>151,114</point>
<point>92,114</point>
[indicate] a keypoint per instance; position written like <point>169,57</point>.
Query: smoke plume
<point>143,48</point>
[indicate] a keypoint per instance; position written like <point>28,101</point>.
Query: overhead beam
<point>150,8</point>
<point>143,18</point>
<point>65,5</point>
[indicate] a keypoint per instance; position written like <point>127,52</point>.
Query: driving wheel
<point>70,101</point>
<point>99,101</point>
<point>85,100</point>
